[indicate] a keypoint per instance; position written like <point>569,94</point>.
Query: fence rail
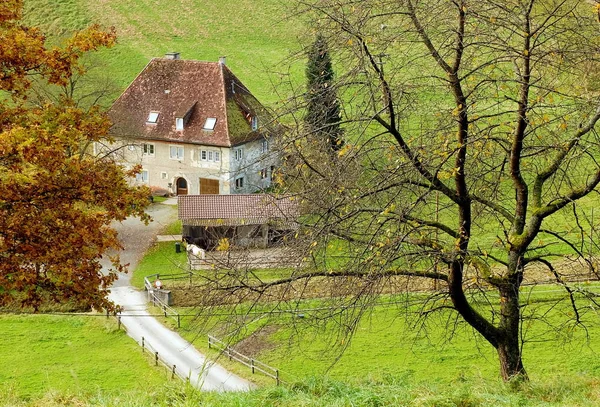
<point>152,297</point>
<point>253,364</point>
<point>159,360</point>
<point>172,369</point>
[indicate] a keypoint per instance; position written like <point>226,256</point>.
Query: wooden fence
<point>158,302</point>
<point>148,349</point>
<point>253,364</point>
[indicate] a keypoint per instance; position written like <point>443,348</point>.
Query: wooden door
<point>181,186</point>
<point>209,186</point>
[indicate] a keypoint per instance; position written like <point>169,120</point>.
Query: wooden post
<point>277,376</point>
<point>252,365</point>
<point>156,358</point>
<point>173,372</point>
<point>107,314</point>
<point>209,342</point>
<point>143,344</point>
<point>119,322</point>
<point>178,321</point>
<point>165,310</point>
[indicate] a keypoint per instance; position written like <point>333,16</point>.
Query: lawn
<point>73,354</point>
<point>256,36</point>
<point>386,345</point>
<point>161,258</point>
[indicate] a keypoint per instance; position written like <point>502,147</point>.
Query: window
<point>239,183</point>
<point>163,175</point>
<point>239,154</point>
<point>254,123</point>
<point>264,146</point>
<point>176,153</point>
<point>142,176</point>
<point>210,123</point>
<point>148,149</point>
<point>152,118</point>
<point>179,123</point>
<point>263,173</point>
<point>210,155</point>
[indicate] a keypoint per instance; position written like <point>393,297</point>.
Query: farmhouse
<point>194,128</point>
<point>247,220</point>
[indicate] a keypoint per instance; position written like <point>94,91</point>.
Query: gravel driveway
<point>174,350</point>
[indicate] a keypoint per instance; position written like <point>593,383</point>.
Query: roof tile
<point>172,87</point>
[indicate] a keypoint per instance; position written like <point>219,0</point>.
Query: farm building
<point>245,220</point>
<point>194,128</point>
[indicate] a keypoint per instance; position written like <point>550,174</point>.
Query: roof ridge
<point>225,104</point>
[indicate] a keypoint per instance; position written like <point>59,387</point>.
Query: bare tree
<point>469,161</point>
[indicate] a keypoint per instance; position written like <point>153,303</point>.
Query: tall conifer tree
<point>323,108</point>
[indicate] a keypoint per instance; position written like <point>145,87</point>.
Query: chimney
<point>172,55</point>
<point>222,60</point>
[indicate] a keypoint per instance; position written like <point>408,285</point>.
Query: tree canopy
<point>57,199</point>
<point>471,160</point>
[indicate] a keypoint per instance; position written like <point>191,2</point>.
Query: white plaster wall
<point>190,167</point>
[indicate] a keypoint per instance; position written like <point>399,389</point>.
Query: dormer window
<point>210,123</point>
<point>183,115</point>
<point>152,118</point>
<point>254,123</point>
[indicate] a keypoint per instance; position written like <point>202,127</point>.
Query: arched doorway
<point>182,187</point>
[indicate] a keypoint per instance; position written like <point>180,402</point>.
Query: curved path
<point>137,238</point>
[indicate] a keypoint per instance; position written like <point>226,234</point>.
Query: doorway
<point>182,188</point>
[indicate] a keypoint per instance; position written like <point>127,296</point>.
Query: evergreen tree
<point>323,109</point>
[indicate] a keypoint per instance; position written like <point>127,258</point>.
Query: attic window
<point>179,123</point>
<point>210,123</point>
<point>152,117</point>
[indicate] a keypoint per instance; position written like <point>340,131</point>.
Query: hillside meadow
<point>70,353</point>
<point>390,361</point>
<point>257,37</point>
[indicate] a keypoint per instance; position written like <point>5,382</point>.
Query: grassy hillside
<point>71,354</point>
<point>255,35</point>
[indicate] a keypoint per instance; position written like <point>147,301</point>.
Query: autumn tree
<point>322,106</point>
<point>56,199</point>
<point>471,161</point>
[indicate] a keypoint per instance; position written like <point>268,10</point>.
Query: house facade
<point>194,128</point>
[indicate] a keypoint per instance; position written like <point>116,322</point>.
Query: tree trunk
<point>511,364</point>
<point>509,346</point>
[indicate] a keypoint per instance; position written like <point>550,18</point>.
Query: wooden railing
<point>146,347</point>
<point>253,364</point>
<point>156,301</point>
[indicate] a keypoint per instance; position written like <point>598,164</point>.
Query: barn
<point>244,220</point>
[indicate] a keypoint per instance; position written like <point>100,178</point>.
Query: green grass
<point>256,36</point>
<point>71,354</point>
<point>174,228</point>
<point>160,259</point>
<point>317,392</point>
<point>390,343</point>
<point>159,199</point>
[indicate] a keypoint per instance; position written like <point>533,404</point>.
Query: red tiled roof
<point>235,209</point>
<point>172,87</point>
